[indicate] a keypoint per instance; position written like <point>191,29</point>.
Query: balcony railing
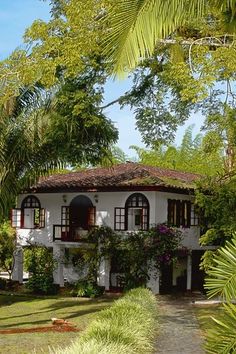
<point>69,234</point>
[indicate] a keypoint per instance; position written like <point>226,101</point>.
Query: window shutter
<point>42,218</point>
<point>183,213</point>
<point>178,212</point>
<point>188,213</point>
<point>119,222</point>
<point>170,212</point>
<point>65,215</point>
<point>145,219</point>
<point>91,216</point>
<point>16,218</point>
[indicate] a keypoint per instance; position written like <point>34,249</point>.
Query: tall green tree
<point>43,130</point>
<point>193,155</point>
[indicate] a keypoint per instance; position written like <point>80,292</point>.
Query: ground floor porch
<point>183,275</point>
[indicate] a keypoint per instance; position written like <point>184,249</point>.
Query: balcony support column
<point>153,282</point>
<point>189,272</point>
<point>17,273</point>
<point>58,273</point>
<point>103,278</point>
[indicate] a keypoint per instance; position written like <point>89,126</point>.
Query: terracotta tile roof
<point>122,176</point>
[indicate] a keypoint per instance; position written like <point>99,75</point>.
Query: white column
<point>189,272</point>
<point>58,255</point>
<point>104,273</point>
<point>153,282</point>
<point>17,273</point>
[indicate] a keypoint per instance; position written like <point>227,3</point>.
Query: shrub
<point>7,247</point>
<point>84,288</point>
<point>40,264</point>
<point>3,283</point>
<point>126,327</point>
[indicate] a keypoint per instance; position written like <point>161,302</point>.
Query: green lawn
<point>25,312</point>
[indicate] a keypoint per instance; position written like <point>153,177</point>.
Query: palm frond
<point>222,276</point>
<point>221,337</point>
<point>136,25</point>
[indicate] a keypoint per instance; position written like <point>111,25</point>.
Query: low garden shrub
<point>3,284</point>
<point>128,326</point>
<point>85,288</point>
<point>39,262</point>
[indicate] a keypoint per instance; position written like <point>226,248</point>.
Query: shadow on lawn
<point>89,306</point>
<point>46,321</point>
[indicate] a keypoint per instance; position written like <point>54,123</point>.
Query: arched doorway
<point>81,215</point>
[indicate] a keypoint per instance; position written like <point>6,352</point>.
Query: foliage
<point>85,288</point>
<point>222,282</point>
<point>39,262</point>
<point>7,247</point>
<point>207,260</point>
<point>217,199</point>
<point>190,156</point>
<point>126,327</point>
<point>129,42</point>
<point>190,70</point>
<point>136,252</point>
<point>3,283</point>
<point>45,130</point>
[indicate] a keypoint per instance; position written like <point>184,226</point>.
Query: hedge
<point>128,326</point>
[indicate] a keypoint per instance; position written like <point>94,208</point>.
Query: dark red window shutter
<point>170,212</point>
<point>119,220</point>
<point>91,216</point>
<point>65,215</point>
<point>41,218</point>
<point>16,218</point>
<point>188,213</point>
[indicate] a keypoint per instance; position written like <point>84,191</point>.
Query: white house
<point>58,211</point>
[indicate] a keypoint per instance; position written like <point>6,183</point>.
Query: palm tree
<point>137,25</point>
<point>23,153</point>
<point>221,337</point>
<point>41,131</point>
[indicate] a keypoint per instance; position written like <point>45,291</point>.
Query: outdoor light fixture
<point>96,198</point>
<point>64,198</point>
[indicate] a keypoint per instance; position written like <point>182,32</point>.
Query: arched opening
<point>137,212</point>
<point>32,216</point>
<point>82,214</point>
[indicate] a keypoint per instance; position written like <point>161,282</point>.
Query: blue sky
<point>17,15</point>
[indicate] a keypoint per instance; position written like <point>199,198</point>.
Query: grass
<point>29,312</point>
<point>204,315</point>
<point>128,326</point>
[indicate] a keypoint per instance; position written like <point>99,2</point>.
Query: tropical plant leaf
<point>222,276</point>
<point>221,337</point>
<point>136,25</point>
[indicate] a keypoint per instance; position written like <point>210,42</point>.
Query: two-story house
<point>58,211</point>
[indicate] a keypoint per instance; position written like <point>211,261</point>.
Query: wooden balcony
<point>66,233</point>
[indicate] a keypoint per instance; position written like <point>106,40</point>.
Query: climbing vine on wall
<point>135,252</point>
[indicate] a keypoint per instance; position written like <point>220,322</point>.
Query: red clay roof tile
<point>117,176</point>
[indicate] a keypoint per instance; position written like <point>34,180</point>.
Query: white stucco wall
<point>107,201</point>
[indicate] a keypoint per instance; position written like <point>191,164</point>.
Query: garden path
<point>179,330</point>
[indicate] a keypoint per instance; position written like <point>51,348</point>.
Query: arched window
<point>30,215</point>
<point>135,215</point>
<point>30,202</point>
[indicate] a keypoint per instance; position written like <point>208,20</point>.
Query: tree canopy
<point>193,155</point>
<point>42,130</point>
